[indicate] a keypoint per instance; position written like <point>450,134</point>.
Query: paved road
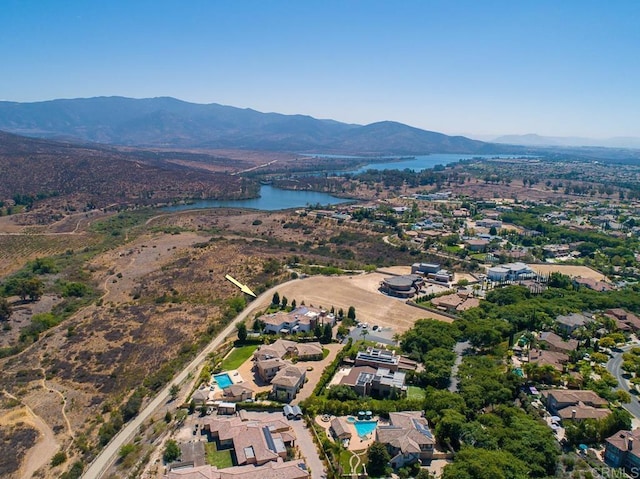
<point>308,449</point>
<point>459,349</point>
<point>108,455</point>
<point>614,367</point>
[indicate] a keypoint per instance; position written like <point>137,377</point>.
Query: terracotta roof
<point>271,470</point>
<point>583,411</point>
<point>557,342</point>
<point>406,432</point>
<point>340,427</point>
<point>572,396</point>
<point>553,358</point>
<point>288,376</point>
<point>621,438</point>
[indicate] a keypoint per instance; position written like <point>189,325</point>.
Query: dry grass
<point>569,270</point>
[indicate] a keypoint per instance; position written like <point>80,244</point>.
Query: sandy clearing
<point>361,292</point>
<point>46,445</point>
<point>135,260</point>
<point>567,269</point>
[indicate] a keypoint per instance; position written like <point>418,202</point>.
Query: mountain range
<point>170,123</point>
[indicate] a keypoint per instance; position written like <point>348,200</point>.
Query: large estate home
<point>270,470</point>
<point>622,450</point>
<point>407,437</point>
<point>385,359</point>
<point>253,442</point>
<point>301,319</point>
<point>576,405</point>
<point>380,382</point>
<point>285,378</point>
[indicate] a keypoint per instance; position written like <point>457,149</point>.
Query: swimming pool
<point>351,419</point>
<point>223,380</point>
<point>363,428</point>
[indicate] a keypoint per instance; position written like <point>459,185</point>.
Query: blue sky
<point>561,68</point>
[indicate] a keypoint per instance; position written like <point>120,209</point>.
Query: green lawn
<point>415,392</point>
<point>220,459</point>
<point>345,457</point>
<point>238,356</point>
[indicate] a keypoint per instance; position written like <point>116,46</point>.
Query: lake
<point>270,199</point>
<point>422,162</point>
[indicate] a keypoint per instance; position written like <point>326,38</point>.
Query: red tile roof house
<point>625,321</point>
<point>407,437</point>
<point>253,442</point>
<point>556,343</point>
<point>552,358</point>
<point>576,405</point>
<point>270,470</point>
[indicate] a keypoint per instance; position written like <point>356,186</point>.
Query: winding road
<point>614,367</point>
<point>109,454</point>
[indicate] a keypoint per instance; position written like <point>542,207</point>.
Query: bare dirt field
<point>569,270</point>
<point>361,292</point>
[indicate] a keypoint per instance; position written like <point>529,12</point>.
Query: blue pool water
<point>365,427</point>
<point>223,380</point>
<point>351,419</point>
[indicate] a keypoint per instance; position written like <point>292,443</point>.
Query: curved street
<point>614,366</point>
<point>109,454</point>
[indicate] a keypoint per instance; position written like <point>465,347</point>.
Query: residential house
<point>237,393</point>
<point>283,348</point>
<point>271,470</point>
<point>383,358</point>
<point>253,442</point>
<point>287,382</point>
<point>553,342</point>
<point>268,368</point>
<point>407,437</point>
<point>301,319</point>
<point>625,321</point>
<point>456,302</point>
<point>576,405</point>
<point>567,324</point>
<point>379,382</point>
<point>551,358</point>
<point>202,396</point>
<point>621,450</point>
<point>592,284</point>
<point>510,272</point>
<point>476,244</point>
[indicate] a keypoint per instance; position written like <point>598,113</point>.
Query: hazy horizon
<point>557,69</point>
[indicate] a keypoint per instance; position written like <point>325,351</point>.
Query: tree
<point>5,310</point>
<point>283,303</point>
<point>174,391</point>
<point>276,299</point>
<point>317,331</point>
<point>493,231</point>
<point>342,393</point>
<point>351,314</point>
<point>167,417</point>
<point>192,407</point>
<point>31,288</point>
<point>327,334</point>
<point>377,459</point>
<point>242,332</point>
<point>607,342</point>
<point>294,304</point>
<point>478,463</point>
<point>171,451</point>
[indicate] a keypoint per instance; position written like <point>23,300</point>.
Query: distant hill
<point>40,168</point>
<point>167,122</point>
<point>543,141</point>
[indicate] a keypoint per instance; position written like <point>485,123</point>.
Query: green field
<point>415,392</point>
<point>220,459</point>
<point>238,356</point>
